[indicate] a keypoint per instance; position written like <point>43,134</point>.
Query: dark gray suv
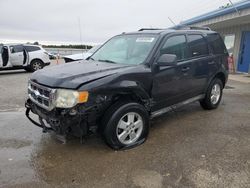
<point>132,78</point>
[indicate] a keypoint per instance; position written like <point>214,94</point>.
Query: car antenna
<point>172,21</point>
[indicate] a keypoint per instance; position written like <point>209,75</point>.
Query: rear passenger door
<point>201,60</point>
<point>220,54</point>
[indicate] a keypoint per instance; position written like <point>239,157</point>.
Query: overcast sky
<point>57,21</point>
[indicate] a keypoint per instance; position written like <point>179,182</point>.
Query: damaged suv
<point>131,79</point>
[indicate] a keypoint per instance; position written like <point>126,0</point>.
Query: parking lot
<point>188,147</point>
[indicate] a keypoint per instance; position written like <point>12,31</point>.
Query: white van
<point>23,56</point>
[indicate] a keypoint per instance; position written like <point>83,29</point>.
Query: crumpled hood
<point>72,75</point>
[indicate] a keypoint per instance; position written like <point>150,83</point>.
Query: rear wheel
<point>36,65</point>
<point>126,125</point>
<point>213,95</point>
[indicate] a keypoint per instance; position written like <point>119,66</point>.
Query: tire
<point>213,95</point>
<point>126,125</point>
<point>36,65</point>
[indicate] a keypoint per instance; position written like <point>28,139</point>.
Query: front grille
<point>41,95</point>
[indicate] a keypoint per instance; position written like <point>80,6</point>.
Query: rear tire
<point>126,124</point>
<point>213,95</point>
<point>36,65</point>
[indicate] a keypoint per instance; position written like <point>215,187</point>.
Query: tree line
<point>74,46</point>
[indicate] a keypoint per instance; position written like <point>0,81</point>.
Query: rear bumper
<point>47,64</point>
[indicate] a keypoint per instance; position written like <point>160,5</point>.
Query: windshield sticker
<point>145,39</point>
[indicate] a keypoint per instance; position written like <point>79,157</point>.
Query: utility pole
<point>80,32</point>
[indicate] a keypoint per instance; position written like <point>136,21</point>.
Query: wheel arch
<point>133,93</point>
<point>36,59</point>
<point>222,77</point>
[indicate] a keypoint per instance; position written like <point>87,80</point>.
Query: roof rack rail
<point>192,28</point>
<point>148,29</point>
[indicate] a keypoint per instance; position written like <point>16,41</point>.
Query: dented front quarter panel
<point>136,80</point>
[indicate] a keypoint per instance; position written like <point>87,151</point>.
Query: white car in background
<point>81,56</point>
<point>23,56</point>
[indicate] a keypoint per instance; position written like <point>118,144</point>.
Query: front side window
<point>198,45</point>
<point>176,45</point>
<point>126,49</point>
<point>16,48</point>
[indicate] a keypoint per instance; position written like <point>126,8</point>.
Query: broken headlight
<point>69,98</point>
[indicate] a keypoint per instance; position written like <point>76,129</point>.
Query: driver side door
<point>16,55</point>
<point>171,84</point>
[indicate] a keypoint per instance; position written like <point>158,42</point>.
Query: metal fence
<point>65,51</point>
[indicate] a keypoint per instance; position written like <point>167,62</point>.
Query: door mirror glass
<point>167,60</point>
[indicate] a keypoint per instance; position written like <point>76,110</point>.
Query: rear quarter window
<point>217,44</point>
<point>32,48</point>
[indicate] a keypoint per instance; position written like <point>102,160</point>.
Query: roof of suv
<point>14,44</point>
<point>167,31</point>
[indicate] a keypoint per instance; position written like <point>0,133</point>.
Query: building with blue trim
<point>233,23</point>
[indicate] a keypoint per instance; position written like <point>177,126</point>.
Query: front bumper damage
<point>79,121</point>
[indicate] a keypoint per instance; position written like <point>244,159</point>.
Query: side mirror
<point>167,60</point>
<point>12,49</point>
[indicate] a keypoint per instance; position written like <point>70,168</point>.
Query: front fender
<point>123,89</point>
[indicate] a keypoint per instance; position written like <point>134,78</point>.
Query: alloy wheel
<point>215,94</point>
<point>129,128</point>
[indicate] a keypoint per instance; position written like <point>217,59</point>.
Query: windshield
<point>126,49</point>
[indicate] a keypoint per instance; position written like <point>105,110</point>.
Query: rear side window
<point>198,45</point>
<point>216,44</point>
<point>32,48</point>
<point>176,45</point>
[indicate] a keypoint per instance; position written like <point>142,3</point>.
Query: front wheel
<point>213,95</point>
<point>126,125</point>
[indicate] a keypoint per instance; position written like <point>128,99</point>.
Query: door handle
<point>211,63</point>
<point>185,69</point>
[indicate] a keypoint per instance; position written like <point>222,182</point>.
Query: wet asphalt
<point>188,147</point>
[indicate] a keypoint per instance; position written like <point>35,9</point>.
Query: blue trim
<point>241,46</point>
<point>219,12</point>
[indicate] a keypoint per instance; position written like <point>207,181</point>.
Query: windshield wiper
<point>107,61</point>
